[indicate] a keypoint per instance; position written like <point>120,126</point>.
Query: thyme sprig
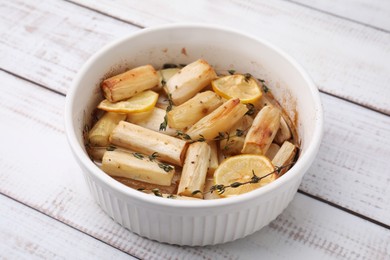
<point>153,156</point>
<point>166,167</point>
<point>221,136</point>
<point>221,188</point>
<point>163,125</point>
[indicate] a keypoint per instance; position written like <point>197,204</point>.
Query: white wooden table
<point>342,209</point>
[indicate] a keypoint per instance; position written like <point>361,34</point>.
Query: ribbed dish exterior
<point>195,230</point>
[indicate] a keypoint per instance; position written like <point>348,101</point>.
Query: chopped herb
<point>261,80</point>
<point>141,189</point>
<point>171,196</point>
<point>182,65</point>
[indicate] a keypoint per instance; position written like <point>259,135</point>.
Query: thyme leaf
<point>265,88</point>
<point>169,66</point>
<point>165,167</point>
<point>221,136</point>
<point>196,192</point>
<point>183,135</point>
<point>201,139</point>
<point>231,72</point>
<point>251,109</point>
<point>156,192</point>
<point>163,83</point>
<point>235,184</point>
<point>240,132</point>
<point>247,76</point>
<point>138,155</point>
<point>261,80</point>
<point>153,156</point>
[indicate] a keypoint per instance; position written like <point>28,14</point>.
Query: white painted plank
<point>351,165</point>
<point>370,12</point>
<point>50,181</point>
<point>28,234</point>
<point>48,41</point>
<point>344,58</point>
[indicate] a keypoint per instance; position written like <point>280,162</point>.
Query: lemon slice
<point>240,168</point>
<point>141,102</point>
<point>237,86</point>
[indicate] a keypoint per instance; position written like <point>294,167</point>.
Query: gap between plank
<point>106,14</point>
<point>354,102</point>
<point>32,82</point>
<point>345,209</point>
<point>338,16</point>
<point>74,228</point>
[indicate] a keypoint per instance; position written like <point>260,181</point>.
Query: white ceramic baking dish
<point>185,222</point>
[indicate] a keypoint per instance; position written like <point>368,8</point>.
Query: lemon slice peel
<point>141,102</point>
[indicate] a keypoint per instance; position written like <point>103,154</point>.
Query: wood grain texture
<point>373,13</point>
<point>28,234</point>
<point>326,179</point>
<point>50,181</point>
<point>351,165</point>
<point>48,41</point>
<point>344,58</point>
